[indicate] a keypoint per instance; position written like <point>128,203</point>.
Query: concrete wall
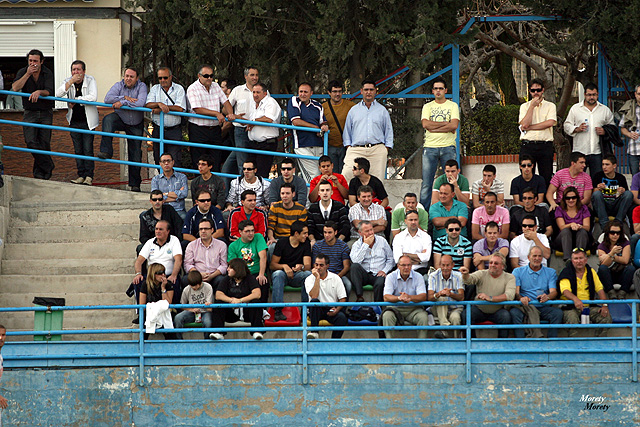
<point>339,395</point>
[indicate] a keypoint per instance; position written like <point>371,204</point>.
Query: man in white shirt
<point>413,243</point>
<point>241,99</point>
<point>264,138</point>
<point>584,123</point>
<point>325,286</point>
<point>521,245</point>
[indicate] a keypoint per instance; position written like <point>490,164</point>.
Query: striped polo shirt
<point>281,218</point>
<point>461,250</point>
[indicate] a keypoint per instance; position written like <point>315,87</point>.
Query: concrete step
<point>46,215</point>
<point>63,251</point>
<point>69,266</point>
<point>71,299</point>
<point>79,284</point>
<point>73,233</point>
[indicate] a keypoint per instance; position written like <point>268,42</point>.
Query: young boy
<point>489,182</point>
<point>198,292</point>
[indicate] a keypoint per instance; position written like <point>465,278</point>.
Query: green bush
<point>492,130</point>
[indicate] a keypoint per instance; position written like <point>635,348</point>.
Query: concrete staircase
<point>68,241</point>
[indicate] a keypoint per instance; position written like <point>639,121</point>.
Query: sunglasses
<point>526,165</point>
<point>163,78</point>
<point>156,199</point>
<point>535,90</point>
<point>571,198</point>
<point>528,226</point>
<point>453,229</point>
<point>355,168</point>
<point>617,233</point>
<point>286,169</point>
<point>439,88</point>
<point>205,228</point>
<point>248,169</point>
<point>207,76</point>
<point>204,200</point>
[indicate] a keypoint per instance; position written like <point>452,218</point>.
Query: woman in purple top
<point>574,222</point>
<point>615,261</point>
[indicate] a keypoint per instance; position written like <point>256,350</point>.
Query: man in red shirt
<point>337,181</point>
<point>247,210</point>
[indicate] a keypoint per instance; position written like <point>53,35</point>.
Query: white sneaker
<point>88,181</point>
<point>216,336</point>
<point>312,335</point>
<point>257,336</point>
<point>265,315</point>
<point>79,180</point>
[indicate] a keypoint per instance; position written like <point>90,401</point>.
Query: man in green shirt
<point>453,176</point>
<point>252,248</point>
<point>409,203</point>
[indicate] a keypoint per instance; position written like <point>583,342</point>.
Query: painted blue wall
<point>337,395</point>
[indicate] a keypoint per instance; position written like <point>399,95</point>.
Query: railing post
<point>468,340</point>
<point>161,137</point>
<point>634,343</point>
<point>305,343</point>
<point>141,346</point>
<point>326,143</point>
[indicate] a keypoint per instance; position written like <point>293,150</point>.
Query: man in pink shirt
<point>573,176</point>
<point>490,211</point>
<point>206,255</point>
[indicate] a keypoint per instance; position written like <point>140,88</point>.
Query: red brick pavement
<point>21,164</point>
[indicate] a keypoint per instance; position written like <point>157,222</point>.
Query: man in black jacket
<point>159,210</point>
<point>324,210</point>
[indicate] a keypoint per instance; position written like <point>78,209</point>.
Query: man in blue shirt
<point>129,92</point>
<point>535,283</point>
<point>174,185</point>
<point>367,133</point>
<point>305,112</point>
<point>445,209</point>
<point>202,209</point>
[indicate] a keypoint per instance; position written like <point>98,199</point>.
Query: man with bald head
<point>445,284</point>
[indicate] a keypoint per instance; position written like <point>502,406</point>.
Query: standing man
<point>241,99</point>
<point>405,285</point>
<point>167,96</point>
<point>584,123</point>
<point>630,127</point>
<point>80,116</point>
<point>368,133</point>
<point>206,97</point>
<point>264,138</point>
<point>372,259</point>
<point>440,120</point>
<point>305,112</point>
<point>537,119</point>
<point>336,110</point>
<point>325,286</point>
<point>129,92</point>
<point>174,185</point>
<point>337,181</point>
<point>288,176</point>
<point>37,80</point>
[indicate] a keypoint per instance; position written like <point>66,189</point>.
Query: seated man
<point>325,286</point>
<point>527,180</point>
<point>290,264</point>
<point>444,284</point>
<point>365,209</point>
<point>578,281</point>
<point>492,285</point>
<point>535,283</point>
<point>488,183</point>
<point>326,210</point>
<point>208,181</point>
<point>288,175</point>
<point>207,256</point>
<point>198,292</point>
<point>339,186</point>
<point>490,212</point>
<point>337,252</point>
<point>159,210</point>
<point>174,185</point>
<point>361,177</point>
<point>252,248</point>
<point>409,203</point>
<point>611,195</point>
<point>200,211</point>
<point>284,213</point>
<point>413,243</point>
<point>452,176</point>
<point>405,285</point>
<point>372,260</point>
<point>529,207</point>
<point>247,210</point>
<point>521,245</point>
<point>249,181</point>
<point>573,176</point>
<point>164,249</point>
<point>484,248</point>
<point>453,244</point>
<point>445,209</point>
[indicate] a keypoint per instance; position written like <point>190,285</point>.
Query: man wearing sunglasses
<point>537,119</point>
<point>527,179</point>
<point>203,209</point>
<point>288,175</point>
<point>529,207</point>
<point>159,211</point>
<point>167,96</point>
<point>454,244</point>
<point>521,245</point>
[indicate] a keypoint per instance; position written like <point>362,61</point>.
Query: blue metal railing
<point>161,140</point>
<point>323,348</point>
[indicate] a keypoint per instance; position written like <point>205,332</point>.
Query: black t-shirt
<point>611,192</point>
<point>45,82</point>
<point>518,185</point>
<point>156,292</point>
<point>517,213</point>
<point>378,189</point>
<point>290,255</point>
<point>79,115</point>
<point>233,289</point>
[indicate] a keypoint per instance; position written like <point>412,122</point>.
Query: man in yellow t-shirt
<point>440,120</point>
<point>578,281</point>
<point>335,111</point>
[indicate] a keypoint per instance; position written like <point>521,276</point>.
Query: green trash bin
<point>48,320</point>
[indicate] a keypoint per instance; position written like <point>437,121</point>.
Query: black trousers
<point>210,135</point>
<point>542,152</point>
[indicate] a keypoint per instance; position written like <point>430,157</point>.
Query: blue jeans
<point>83,146</point>
<point>337,157</point>
<point>430,159</point>
<point>594,163</point>
<point>634,164</point>
<point>620,206</point>
<point>347,285</point>
<point>500,317</point>
<point>112,123</point>
<point>279,280</point>
<point>188,317</point>
<point>550,313</point>
<point>241,137</point>
<point>624,277</point>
